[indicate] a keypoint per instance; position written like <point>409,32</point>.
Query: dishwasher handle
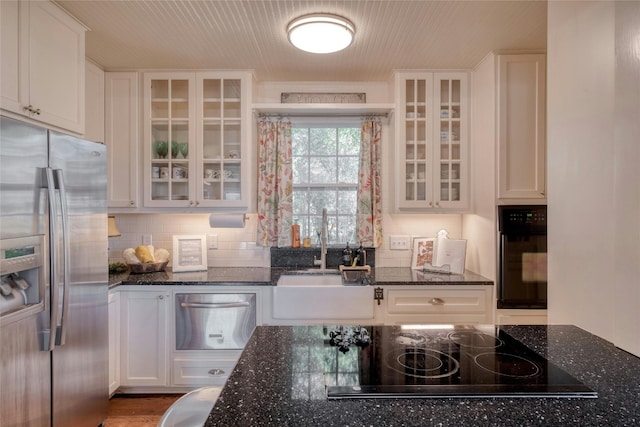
<point>214,305</point>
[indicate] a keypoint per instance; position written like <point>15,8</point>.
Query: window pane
<point>300,170</point>
<point>348,170</point>
<point>349,141</point>
<point>300,141</point>
<point>323,141</point>
<point>300,203</point>
<point>319,199</point>
<point>323,170</point>
<point>346,230</point>
<point>347,202</point>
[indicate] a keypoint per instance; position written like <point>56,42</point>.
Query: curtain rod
<point>311,115</point>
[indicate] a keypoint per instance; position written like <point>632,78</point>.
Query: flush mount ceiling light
<point>321,33</point>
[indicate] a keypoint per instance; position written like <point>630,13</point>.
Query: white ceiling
<point>244,34</point>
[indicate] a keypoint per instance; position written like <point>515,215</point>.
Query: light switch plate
<point>212,241</point>
<point>400,243</point>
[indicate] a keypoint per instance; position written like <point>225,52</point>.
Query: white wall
<point>593,214</point>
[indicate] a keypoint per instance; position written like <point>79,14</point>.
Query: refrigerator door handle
<point>65,253</point>
<point>55,294</point>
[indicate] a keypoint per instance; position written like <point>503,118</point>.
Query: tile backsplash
<point>237,246</point>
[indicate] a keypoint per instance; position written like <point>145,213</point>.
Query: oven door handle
<point>214,305</point>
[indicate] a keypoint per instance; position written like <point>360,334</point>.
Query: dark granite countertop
<point>273,386</point>
<point>264,276</point>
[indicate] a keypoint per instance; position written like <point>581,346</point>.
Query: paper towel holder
<point>226,219</point>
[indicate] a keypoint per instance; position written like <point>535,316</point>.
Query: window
<point>325,161</point>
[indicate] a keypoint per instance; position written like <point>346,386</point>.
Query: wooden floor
<point>138,410</point>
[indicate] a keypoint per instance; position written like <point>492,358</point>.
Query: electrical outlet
<point>147,239</point>
<point>399,243</point>
<point>212,241</point>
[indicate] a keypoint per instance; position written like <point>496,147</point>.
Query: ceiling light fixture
<point>321,33</point>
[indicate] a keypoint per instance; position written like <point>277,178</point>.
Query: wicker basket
<point>147,267</point>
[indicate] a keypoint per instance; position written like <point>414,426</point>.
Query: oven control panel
<point>513,219</point>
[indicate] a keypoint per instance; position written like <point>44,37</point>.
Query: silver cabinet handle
<point>216,371</point>
<point>437,301</point>
<point>214,304</point>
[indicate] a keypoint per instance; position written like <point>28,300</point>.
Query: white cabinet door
<point>432,142</point>
<point>43,72</point>
<point>121,138</point>
<point>521,127</point>
<point>114,341</point>
<point>144,346</point>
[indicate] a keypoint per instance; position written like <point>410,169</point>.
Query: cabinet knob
<point>216,371</point>
<point>197,203</point>
<point>437,301</point>
<point>132,203</point>
<point>160,296</point>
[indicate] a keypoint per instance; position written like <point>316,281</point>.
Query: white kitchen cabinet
<point>432,142</point>
<point>145,331</point>
<point>196,139</point>
<point>521,130</point>
<point>121,137</point>
<point>94,102</point>
<point>43,64</point>
<point>439,304</point>
<point>114,341</point>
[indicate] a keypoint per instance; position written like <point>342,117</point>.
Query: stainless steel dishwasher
<point>214,321</point>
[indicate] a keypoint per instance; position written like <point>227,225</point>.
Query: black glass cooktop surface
<point>440,362</point>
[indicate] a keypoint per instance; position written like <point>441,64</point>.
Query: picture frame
<point>422,252</point>
<point>189,253</point>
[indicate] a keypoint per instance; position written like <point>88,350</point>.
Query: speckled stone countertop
<point>264,276</point>
<point>273,386</point>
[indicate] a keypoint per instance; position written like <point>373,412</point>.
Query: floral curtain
<point>275,183</point>
<point>369,209</point>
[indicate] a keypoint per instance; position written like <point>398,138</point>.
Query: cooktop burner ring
<point>399,359</point>
<point>486,341</point>
<point>516,362</point>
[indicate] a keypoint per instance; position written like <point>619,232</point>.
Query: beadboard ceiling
<point>243,34</point>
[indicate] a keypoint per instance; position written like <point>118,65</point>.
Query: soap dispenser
<point>347,256</point>
<point>361,256</point>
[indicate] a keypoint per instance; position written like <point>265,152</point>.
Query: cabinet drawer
<point>456,306</point>
<point>201,372</point>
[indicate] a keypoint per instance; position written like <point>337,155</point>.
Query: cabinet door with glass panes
<point>221,111</point>
<point>432,141</point>
<point>169,140</point>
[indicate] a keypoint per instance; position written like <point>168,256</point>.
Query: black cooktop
<point>436,361</point>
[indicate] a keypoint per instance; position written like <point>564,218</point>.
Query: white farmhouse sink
<point>310,279</point>
<point>321,296</point>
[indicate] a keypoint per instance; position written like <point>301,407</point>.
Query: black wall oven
<point>522,258</point>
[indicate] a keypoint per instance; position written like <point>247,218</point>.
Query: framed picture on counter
<point>189,253</point>
<point>422,252</point>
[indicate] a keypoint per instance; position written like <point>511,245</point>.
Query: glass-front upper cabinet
<point>194,139</point>
<point>432,141</point>
<point>221,110</point>
<point>169,139</point>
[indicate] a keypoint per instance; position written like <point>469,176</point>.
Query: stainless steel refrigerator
<point>53,278</point>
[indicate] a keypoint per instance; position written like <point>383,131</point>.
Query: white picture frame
<point>189,253</point>
<point>422,252</point>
